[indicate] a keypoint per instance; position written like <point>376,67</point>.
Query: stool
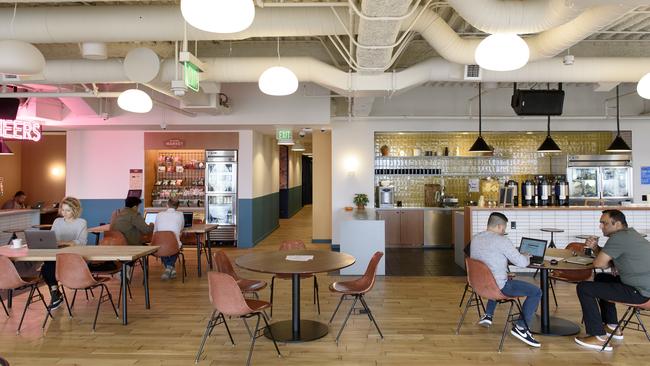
<point>552,231</point>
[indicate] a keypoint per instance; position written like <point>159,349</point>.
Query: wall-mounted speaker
<point>538,102</point>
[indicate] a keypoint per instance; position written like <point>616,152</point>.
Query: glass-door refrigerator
<point>221,194</point>
<point>601,178</point>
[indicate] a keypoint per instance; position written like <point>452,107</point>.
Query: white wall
<point>245,164</point>
<point>295,169</point>
<point>266,166</point>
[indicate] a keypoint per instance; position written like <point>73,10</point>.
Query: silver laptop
<point>150,217</point>
<point>534,247</point>
<point>40,239</point>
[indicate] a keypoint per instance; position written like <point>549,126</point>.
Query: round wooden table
<point>544,323</point>
<point>551,230</point>
<point>296,329</point>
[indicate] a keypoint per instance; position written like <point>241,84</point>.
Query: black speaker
<point>537,102</point>
<point>9,108</point>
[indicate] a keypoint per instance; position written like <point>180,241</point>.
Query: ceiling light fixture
<point>4,149</point>
<point>618,145</point>
<point>643,86</point>
<point>135,100</point>
<point>502,52</point>
<point>480,146</point>
<point>549,145</point>
<point>220,16</point>
<point>278,80</point>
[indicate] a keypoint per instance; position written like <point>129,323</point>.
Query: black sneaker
<point>56,299</point>
<point>485,321</point>
<point>525,336</point>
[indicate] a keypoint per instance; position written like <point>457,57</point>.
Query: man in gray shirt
<point>629,281</point>
<point>492,248</point>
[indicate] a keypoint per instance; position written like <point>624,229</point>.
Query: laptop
<point>40,239</point>
<point>189,218</point>
<point>535,247</point>
<point>580,260</point>
<point>150,217</point>
<point>38,205</point>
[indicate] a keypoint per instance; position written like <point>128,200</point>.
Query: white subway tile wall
<point>21,220</point>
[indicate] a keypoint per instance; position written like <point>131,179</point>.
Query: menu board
<point>645,175</point>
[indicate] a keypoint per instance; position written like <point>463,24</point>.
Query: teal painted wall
<point>295,200</point>
<point>258,217</point>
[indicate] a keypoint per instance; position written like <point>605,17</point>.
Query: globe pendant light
<point>135,100</point>
<point>219,16</point>
<point>643,86</point>
<point>502,52</point>
<point>480,146</point>
<point>4,149</point>
<point>618,145</point>
<point>278,80</point>
<point>549,145</point>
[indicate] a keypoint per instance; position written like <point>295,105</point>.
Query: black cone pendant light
<point>618,145</point>
<point>480,146</point>
<point>549,145</point>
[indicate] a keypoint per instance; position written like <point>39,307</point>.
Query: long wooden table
<point>197,229</point>
<point>122,254</point>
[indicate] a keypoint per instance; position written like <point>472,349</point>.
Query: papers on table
<point>299,258</point>
<point>549,258</point>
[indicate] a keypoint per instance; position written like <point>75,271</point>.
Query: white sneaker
<point>172,274</point>
<point>167,274</point>
<point>618,335</point>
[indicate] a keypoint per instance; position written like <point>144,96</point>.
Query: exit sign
<point>284,135</point>
<point>192,76</point>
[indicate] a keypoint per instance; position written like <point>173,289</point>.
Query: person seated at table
<point>69,229</point>
<point>130,222</point>
<point>495,250</point>
<point>629,281</point>
<point>170,220</point>
<point>17,202</point>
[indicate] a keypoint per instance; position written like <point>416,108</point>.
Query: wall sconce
<point>57,171</point>
<point>351,164</point>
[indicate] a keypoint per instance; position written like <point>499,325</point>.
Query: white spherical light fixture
<point>135,100</point>
<point>502,52</point>
<point>219,16</point>
<point>278,81</point>
<point>20,58</point>
<point>643,86</point>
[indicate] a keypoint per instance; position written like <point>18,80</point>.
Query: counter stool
<point>552,231</point>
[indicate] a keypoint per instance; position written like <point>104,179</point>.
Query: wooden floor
<point>418,316</point>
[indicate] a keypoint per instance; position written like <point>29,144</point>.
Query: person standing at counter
<point>629,282</point>
<point>495,250</point>
<point>130,222</point>
<point>69,229</point>
<point>17,202</point>
<point>170,220</point>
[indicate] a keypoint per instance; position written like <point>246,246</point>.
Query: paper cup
<point>17,243</point>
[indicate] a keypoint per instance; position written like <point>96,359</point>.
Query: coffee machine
<point>385,197</point>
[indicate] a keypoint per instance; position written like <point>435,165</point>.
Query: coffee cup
<point>17,243</point>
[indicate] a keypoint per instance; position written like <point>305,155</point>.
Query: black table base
<point>557,327</point>
<point>309,330</point>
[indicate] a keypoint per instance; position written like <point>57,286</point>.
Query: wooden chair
<point>357,289</point>
<point>482,281</point>
<point>295,245</point>
<point>572,276</point>
<point>632,309</point>
<point>228,300</point>
<point>168,244</point>
<point>223,264</point>
<point>72,272</point>
<point>11,280</point>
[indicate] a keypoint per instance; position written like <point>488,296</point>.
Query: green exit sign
<point>192,76</point>
<point>284,135</point>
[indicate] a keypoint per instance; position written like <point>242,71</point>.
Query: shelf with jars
<point>454,165</point>
<point>180,174</point>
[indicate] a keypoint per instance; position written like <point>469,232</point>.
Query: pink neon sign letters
<point>20,130</point>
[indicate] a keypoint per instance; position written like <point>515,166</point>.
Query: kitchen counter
<point>361,234</point>
<point>561,208</point>
<point>420,208</point>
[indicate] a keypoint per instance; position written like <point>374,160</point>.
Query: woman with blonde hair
<point>69,229</point>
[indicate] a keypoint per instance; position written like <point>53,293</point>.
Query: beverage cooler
<point>599,177</point>
<point>221,194</point>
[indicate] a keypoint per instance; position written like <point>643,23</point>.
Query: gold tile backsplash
<point>515,157</point>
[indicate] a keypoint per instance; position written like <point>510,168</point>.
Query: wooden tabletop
<point>563,253</point>
<point>42,226</point>
<point>276,262</point>
<point>552,230</point>
<point>11,231</point>
<point>200,228</point>
<point>99,229</point>
<point>125,253</point>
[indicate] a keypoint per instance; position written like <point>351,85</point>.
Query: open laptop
<point>535,247</point>
<point>40,239</point>
<point>189,218</point>
<point>150,217</point>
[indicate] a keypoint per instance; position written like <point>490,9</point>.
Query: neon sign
<point>20,130</point>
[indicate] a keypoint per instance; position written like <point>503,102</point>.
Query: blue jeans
<point>520,288</point>
<point>169,261</point>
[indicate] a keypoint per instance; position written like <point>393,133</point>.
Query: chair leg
<point>337,309</point>
<point>266,323</point>
<point>67,304</point>
<point>356,298</point>
<point>3,306</point>
<point>372,317</point>
<point>316,294</point>
<point>550,282</point>
<point>505,327</point>
<point>248,329</point>
<point>638,318</point>
<point>253,338</point>
<point>467,306</point>
<point>47,309</point>
<point>271,298</point>
<point>99,303</point>
<point>183,267</point>
<point>74,298</point>
<point>212,322</point>
<point>464,293</point>
<point>626,319</point>
<point>110,298</point>
<point>223,319</point>
<point>29,301</point>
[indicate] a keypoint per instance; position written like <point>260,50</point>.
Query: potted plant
<point>361,200</point>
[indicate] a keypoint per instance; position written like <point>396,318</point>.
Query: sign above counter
<point>20,130</point>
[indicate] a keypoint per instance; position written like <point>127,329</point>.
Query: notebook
<point>534,247</point>
<point>40,239</point>
<point>580,260</point>
<point>189,218</point>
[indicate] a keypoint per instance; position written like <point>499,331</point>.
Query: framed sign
<point>645,175</point>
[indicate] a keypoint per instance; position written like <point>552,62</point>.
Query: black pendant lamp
<point>549,145</point>
<point>4,148</point>
<point>618,145</point>
<point>480,146</point>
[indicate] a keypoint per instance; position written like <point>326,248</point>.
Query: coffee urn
<point>561,192</point>
<point>528,193</point>
<point>543,191</point>
<point>515,186</point>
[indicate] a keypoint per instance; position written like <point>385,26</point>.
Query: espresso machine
<point>385,197</point>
